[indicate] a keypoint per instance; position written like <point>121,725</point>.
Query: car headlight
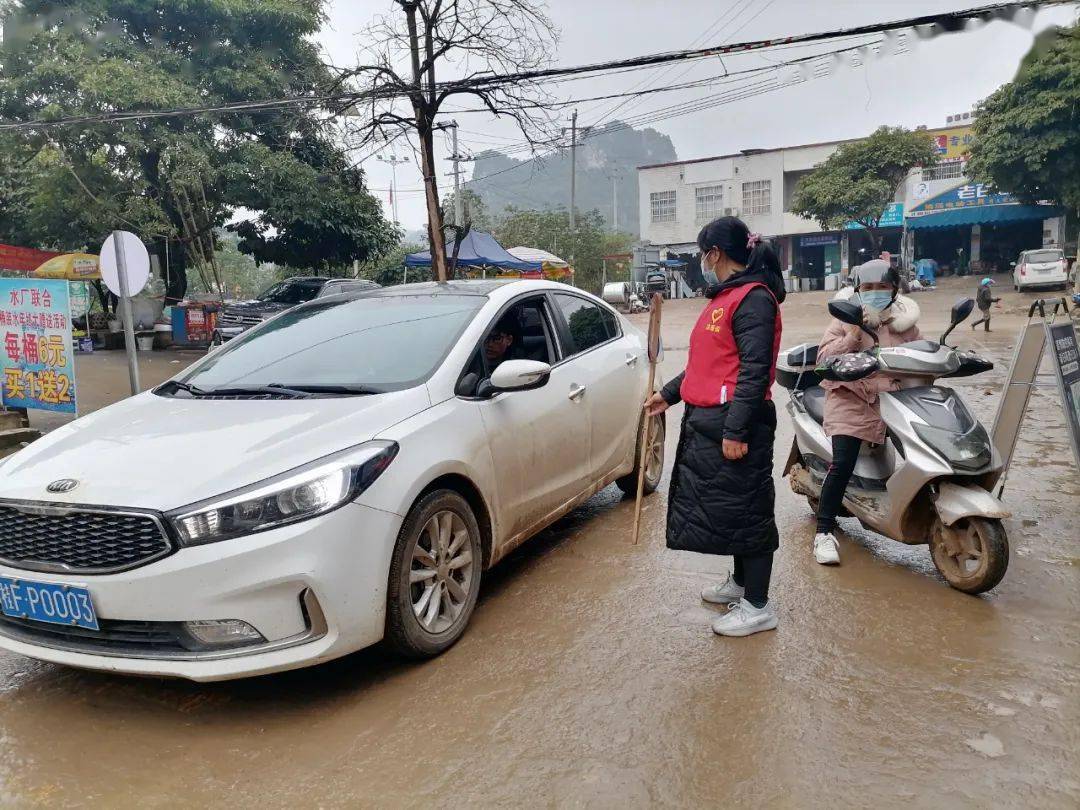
<point>299,494</point>
<point>966,451</point>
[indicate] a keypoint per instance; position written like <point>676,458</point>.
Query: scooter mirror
<point>846,312</point>
<point>961,309</point>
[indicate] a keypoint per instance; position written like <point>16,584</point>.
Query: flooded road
<point>590,678</point>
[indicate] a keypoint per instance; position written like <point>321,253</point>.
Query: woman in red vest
<point>722,497</point>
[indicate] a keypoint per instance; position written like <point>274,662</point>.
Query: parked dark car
<point>238,317</point>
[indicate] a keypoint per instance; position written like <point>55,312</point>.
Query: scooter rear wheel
<point>972,554</point>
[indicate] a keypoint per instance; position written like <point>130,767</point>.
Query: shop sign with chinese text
<point>35,321</point>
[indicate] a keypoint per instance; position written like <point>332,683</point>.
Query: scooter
<point>930,481</point>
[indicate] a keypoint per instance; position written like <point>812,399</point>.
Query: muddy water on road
<point>589,677</point>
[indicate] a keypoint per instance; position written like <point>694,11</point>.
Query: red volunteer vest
<point>712,368</point>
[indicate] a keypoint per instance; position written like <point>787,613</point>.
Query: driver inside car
<point>852,411</point>
<point>499,343</point>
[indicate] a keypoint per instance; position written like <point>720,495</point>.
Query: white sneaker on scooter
<point>826,549</point>
<point>744,619</point>
<point>725,593</point>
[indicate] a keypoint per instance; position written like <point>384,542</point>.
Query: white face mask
<point>708,273</point>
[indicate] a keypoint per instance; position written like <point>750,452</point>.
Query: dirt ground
<point>590,677</point>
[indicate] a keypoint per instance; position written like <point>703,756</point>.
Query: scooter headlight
<point>306,492</point>
<point>965,451</point>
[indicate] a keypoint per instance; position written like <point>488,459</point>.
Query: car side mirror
<point>520,375</point>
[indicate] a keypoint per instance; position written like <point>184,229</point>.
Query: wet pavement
<point>589,676</point>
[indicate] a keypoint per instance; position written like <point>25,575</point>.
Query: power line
<point>945,22</point>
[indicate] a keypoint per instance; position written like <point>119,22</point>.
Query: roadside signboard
<point>1066,354</point>
<point>35,320</point>
<point>135,259</point>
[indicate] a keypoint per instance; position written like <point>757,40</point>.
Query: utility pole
<point>615,202</point>
<point>394,162</point>
<point>573,170</point>
<point>459,207</point>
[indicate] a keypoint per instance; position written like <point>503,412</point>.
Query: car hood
<point>261,308</point>
<point>152,452</point>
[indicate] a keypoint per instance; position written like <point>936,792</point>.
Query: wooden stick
<point>646,427</point>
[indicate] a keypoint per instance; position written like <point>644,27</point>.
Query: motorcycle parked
<point>930,481</point>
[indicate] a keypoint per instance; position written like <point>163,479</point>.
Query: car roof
<point>480,287</point>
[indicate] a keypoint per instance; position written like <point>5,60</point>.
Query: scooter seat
<point>813,400</point>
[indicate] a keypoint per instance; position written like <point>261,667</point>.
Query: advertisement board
<point>38,368</point>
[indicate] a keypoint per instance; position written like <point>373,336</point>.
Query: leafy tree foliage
<point>859,180</point>
<point>1028,131</point>
<point>177,178</point>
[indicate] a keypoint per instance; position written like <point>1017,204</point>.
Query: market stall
<point>551,266</point>
<point>479,256</point>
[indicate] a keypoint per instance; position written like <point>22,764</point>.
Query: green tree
<point>475,212</point>
<point>859,180</point>
<point>179,178</point>
<point>388,269</point>
<point>550,231</point>
<point>1028,131</point>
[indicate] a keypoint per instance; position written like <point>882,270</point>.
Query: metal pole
<point>573,169</point>
<point>125,312</point>
<point>459,204</point>
<point>615,202</point>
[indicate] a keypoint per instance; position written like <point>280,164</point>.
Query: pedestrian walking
<point>852,410</point>
<point>721,499</point>
<point>984,298</point>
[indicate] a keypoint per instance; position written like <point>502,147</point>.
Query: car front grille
<point>234,319</point>
<point>53,538</point>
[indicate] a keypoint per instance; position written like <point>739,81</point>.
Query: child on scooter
<point>852,412</point>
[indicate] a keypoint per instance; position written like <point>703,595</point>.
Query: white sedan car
<point>338,475</point>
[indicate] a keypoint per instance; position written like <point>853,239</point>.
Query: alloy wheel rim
<point>654,458</point>
<point>441,573</point>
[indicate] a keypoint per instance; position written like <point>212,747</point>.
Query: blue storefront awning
<point>982,215</point>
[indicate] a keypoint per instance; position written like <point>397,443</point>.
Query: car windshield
<point>1044,256</point>
<point>383,343</point>
<point>292,292</point>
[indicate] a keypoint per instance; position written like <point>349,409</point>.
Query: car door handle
<point>576,392</point>
<point>631,359</point>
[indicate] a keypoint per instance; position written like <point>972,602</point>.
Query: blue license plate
<point>47,602</point>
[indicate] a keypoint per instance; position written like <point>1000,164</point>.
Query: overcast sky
<point>947,75</point>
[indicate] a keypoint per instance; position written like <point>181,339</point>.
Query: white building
<point>677,199</point>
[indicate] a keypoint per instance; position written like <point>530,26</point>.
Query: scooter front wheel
<point>972,554</point>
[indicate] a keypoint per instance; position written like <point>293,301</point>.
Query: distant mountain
<point>607,162</point>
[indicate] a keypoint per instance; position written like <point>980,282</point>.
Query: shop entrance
<point>1002,244</point>
<point>815,257</point>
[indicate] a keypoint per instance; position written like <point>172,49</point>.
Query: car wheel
<point>654,462</point>
<point>434,576</point>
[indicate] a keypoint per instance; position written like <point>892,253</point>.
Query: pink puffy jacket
<point>851,408</point>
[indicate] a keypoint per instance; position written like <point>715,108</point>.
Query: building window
<point>757,197</point>
<point>944,171</point>
<point>662,205</point>
<point>708,202</point>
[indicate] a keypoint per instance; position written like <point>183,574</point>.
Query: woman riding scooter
<point>852,412</point>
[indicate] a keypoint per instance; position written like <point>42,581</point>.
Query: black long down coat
<point>717,506</point>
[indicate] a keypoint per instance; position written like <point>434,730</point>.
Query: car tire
<point>439,532</point>
<point>654,462</point>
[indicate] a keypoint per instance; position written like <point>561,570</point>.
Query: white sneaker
<point>744,619</point>
<point>826,549</point>
<point>724,593</point>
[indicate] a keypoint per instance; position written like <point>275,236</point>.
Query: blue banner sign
<point>38,367</point>
<point>892,217</point>
<point>971,195</point>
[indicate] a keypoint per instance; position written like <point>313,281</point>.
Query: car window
<point>385,343</point>
<point>292,292</point>
<point>588,324</point>
<point>1044,256</point>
